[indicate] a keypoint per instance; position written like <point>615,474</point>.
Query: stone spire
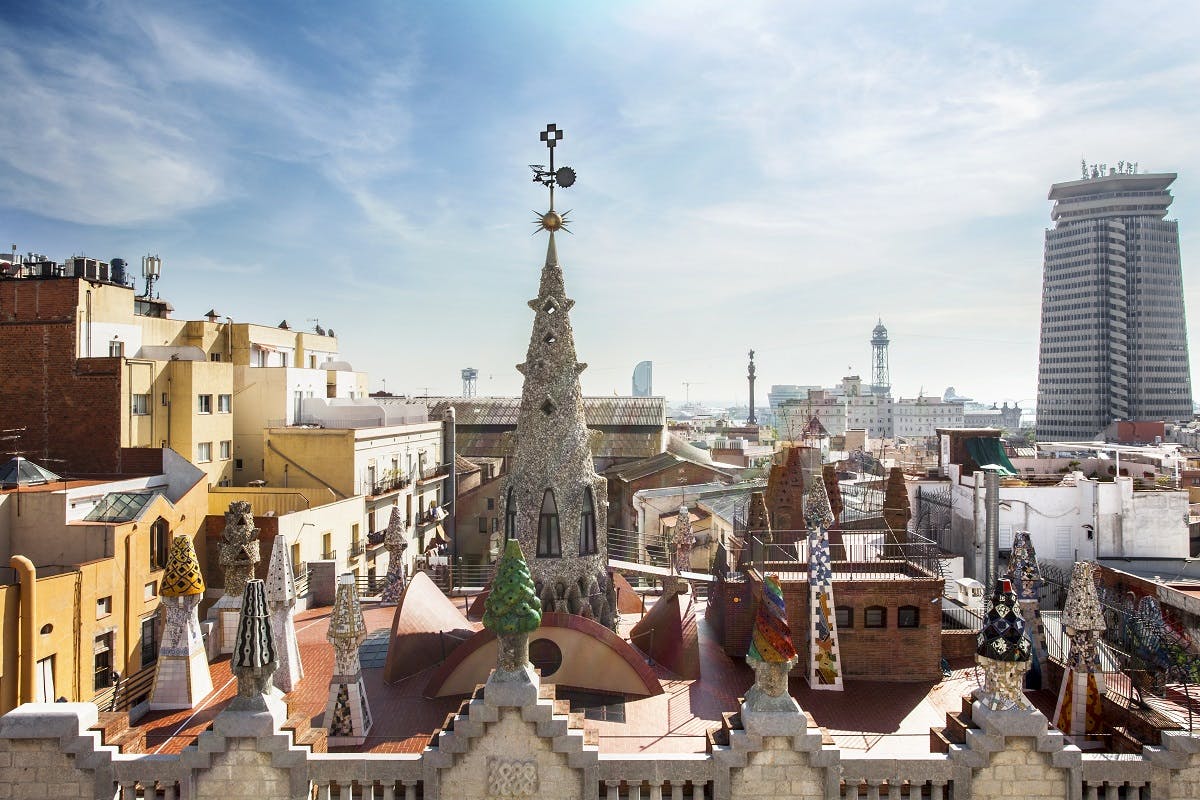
<point>1026,578</point>
<point>347,714</point>
<point>253,661</point>
<point>560,511</point>
<point>785,495</point>
<point>683,541</point>
<point>824,657</point>
<point>1079,709</point>
<point>396,544</point>
<point>281,599</point>
<point>238,555</point>
<point>182,678</point>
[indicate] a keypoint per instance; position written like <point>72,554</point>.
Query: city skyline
<point>784,180</point>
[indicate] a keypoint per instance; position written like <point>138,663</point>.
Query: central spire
<point>554,503</point>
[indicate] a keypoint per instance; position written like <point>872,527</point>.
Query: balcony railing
<point>356,549</point>
<point>329,555</point>
<point>385,485</point>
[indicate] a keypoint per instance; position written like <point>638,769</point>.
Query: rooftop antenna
<point>317,325</point>
<point>151,270</point>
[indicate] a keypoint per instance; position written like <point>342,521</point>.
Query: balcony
<point>387,484</point>
<point>357,548</point>
<point>329,555</point>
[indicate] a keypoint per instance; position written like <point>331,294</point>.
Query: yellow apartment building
<point>79,595</point>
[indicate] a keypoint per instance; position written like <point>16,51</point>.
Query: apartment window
<point>224,403</point>
<point>237,464</point>
<point>875,617</point>
<point>204,452</point>
<point>587,525</point>
<point>116,349</point>
<point>102,660</point>
<point>149,641</point>
<point>204,403</point>
<point>139,404</point>
<point>103,607</point>
<point>483,528</point>
<point>297,400</point>
<point>165,400</point>
<point>160,543</point>
<point>312,361</point>
<point>844,617</point>
<point>908,617</point>
<point>549,541</point>
<point>226,450</point>
<point>491,503</point>
<point>327,546</point>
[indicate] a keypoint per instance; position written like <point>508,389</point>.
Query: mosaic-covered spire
<point>1023,569</point>
<point>181,677</point>
<point>1079,710</point>
<point>253,659</point>
<point>771,640</point>
<point>239,547</point>
<point>396,544</point>
<point>683,541</point>
<point>347,712</point>
<point>182,576</point>
<point>281,599</point>
<point>347,628</point>
<point>817,513</point>
<point>561,512</point>
<point>1002,637</point>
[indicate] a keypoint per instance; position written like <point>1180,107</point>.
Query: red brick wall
<point>888,654</point>
<point>958,644</point>
<point>70,409</point>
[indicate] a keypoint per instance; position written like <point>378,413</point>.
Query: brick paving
<point>879,716</point>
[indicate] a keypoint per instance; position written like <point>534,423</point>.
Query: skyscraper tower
<point>643,379</point>
<point>553,501</point>
<point>881,379</point>
<point>1113,335</point>
<point>751,420</point>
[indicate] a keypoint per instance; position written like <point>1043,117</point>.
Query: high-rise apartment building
<point>1113,337</point>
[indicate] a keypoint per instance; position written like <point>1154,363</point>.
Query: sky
<point>774,176</point>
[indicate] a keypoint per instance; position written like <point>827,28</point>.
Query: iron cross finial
<point>551,135</point>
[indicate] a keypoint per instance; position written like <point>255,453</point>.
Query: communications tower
<point>880,378</point>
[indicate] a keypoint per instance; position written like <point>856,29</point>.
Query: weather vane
<point>563,177</point>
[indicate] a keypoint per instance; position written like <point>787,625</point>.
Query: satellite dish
<point>564,177</point>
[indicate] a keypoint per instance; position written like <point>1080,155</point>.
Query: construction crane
<point>687,389</point>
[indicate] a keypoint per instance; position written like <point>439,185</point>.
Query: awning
<point>988,452</point>
<point>266,348</point>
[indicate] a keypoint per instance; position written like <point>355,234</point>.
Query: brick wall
<point>70,409</point>
<point>889,653</point>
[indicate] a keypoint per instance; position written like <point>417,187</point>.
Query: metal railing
<point>329,555</point>
<point>301,579</point>
<point>854,555</point>
<point>126,692</point>
<point>357,548</point>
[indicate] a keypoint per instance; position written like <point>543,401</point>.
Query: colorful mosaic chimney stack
<point>281,599</point>
<point>772,655</point>
<point>825,661</point>
<point>684,540</point>
<point>512,612</point>
<point>1003,651</point>
<point>182,678</point>
<point>1079,711</point>
<point>238,555</point>
<point>253,659</point>
<point>1026,578</point>
<point>395,543</point>
<point>347,714</point>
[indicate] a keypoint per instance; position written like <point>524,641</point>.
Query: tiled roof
<point>653,464</point>
<point>600,412</point>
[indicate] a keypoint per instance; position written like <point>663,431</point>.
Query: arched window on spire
<point>510,515</point>
<point>587,524</point>
<point>549,543</point>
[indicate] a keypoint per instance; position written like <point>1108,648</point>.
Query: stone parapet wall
<point>46,750</point>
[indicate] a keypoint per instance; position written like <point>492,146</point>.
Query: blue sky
<point>759,175</point>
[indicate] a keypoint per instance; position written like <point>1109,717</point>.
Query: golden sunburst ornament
<point>551,221</point>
